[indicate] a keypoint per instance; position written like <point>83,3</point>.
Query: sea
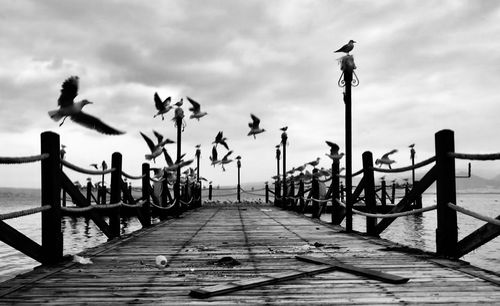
<point>417,231</point>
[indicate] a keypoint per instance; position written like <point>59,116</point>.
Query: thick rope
<point>493,156</point>
<point>403,169</point>
<point>474,214</point>
<point>394,215</point>
<point>23,159</point>
<point>24,212</point>
<point>132,177</point>
<point>254,194</point>
<point>163,208</point>
<point>85,171</point>
<point>188,202</point>
<point>357,173</point>
<point>136,205</point>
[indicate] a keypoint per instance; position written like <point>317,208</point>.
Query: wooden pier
<point>221,244</point>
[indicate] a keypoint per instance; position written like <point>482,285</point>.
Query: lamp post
<point>238,163</point>
<point>198,181</point>
<point>284,138</point>
<point>179,116</point>
<point>277,188</point>
<point>348,67</point>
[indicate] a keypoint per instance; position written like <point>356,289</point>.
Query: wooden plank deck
<point>265,240</point>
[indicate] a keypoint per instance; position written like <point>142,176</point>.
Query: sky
<point>423,66</point>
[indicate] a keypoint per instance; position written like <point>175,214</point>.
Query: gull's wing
<point>158,103</point>
<point>222,142</point>
<point>255,120</point>
<point>168,159</point>
<point>386,155</point>
<point>92,122</point>
<point>158,136</point>
<point>227,155</point>
<point>214,153</point>
<point>196,105</point>
<point>148,140</point>
<point>218,137</point>
<point>69,91</point>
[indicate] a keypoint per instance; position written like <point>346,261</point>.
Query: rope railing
<point>357,173</point>
<point>85,171</point>
<point>394,215</point>
<point>254,190</point>
<point>76,209</point>
<point>163,208</point>
<point>23,159</point>
<point>186,203</point>
<point>25,212</point>
<point>474,214</point>
<point>492,156</point>
<point>132,177</point>
<point>408,168</point>
<point>254,194</point>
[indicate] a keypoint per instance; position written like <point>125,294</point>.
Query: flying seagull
<point>156,149</point>
<point>385,160</point>
<point>220,139</point>
<point>162,106</point>
<point>347,48</point>
<point>73,110</point>
<point>197,113</point>
<point>254,126</point>
<point>213,158</point>
<point>225,160</point>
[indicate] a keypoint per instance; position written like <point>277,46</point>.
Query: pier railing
<point>121,201</point>
<point>442,173</point>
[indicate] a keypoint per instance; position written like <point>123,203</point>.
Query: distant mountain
<point>477,183</point>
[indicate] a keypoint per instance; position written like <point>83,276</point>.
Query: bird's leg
<point>162,118</point>
<point>254,136</point>
<point>390,167</point>
<point>63,120</point>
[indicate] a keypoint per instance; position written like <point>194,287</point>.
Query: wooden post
<point>238,163</point>
<point>393,199</point>
<point>115,197</point>
<point>292,194</point>
<point>284,138</point>
<point>418,201</point>
<point>348,67</point>
<point>446,232</point>
<point>383,198</point>
<point>210,191</point>
<point>179,115</point>
<point>277,186</point>
<point>337,210</point>
<point>315,195</point>
<point>146,209</point>
<point>369,185</point>
<point>198,181</point>
<point>89,192</point>
<point>267,193</point>
<point>300,193</point>
<point>342,191</point>
<point>52,237</point>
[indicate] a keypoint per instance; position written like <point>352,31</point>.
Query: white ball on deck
<point>161,261</point>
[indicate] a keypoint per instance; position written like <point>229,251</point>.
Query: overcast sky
<point>423,66</point>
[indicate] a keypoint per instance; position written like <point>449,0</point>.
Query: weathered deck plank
<point>265,241</point>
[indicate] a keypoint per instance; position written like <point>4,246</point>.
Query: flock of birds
<point>68,108</point>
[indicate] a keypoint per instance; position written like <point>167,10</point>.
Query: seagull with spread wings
<point>225,160</point>
<point>69,108</point>
<point>220,139</point>
<point>156,149</point>
<point>254,126</point>
<point>196,109</point>
<point>162,107</point>
<point>385,160</point>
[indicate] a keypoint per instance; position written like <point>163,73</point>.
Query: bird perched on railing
<point>69,108</point>
<point>163,107</point>
<point>347,47</point>
<point>254,126</point>
<point>314,163</point>
<point>385,160</point>
<point>156,149</point>
<point>196,109</point>
<point>220,139</point>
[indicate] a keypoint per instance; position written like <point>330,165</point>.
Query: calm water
<point>79,233</point>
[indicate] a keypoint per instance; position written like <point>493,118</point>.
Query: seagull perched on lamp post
<point>69,108</point>
<point>347,47</point>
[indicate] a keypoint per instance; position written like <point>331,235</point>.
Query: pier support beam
<point>52,237</point>
<point>146,209</point>
<point>446,232</point>
<point>369,186</point>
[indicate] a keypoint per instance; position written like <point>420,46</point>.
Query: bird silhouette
<point>385,160</point>
<point>213,158</point>
<point>335,156</point>
<point>284,128</point>
<point>73,110</point>
<point>196,109</point>
<point>220,139</point>
<point>163,107</point>
<point>156,149</point>
<point>225,160</point>
<point>314,163</point>
<point>347,47</point>
<point>254,126</point>
<point>179,103</point>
